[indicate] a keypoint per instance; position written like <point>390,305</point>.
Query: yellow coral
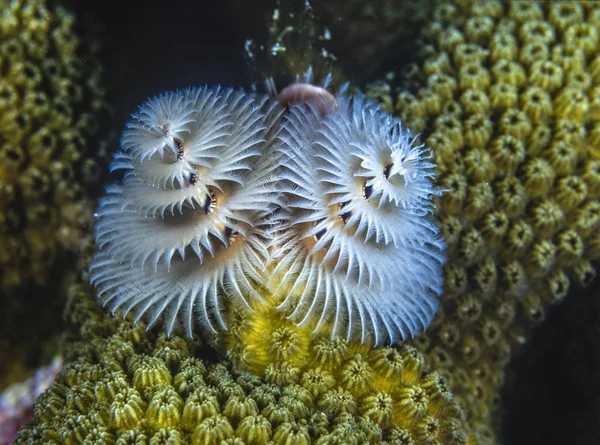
<point>38,99</point>
<point>120,387</point>
<point>520,216</point>
<point>387,386</point>
<point>47,98</point>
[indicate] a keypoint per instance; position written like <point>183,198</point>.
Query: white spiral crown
<point>359,252</point>
<point>226,197</point>
<point>188,221</point>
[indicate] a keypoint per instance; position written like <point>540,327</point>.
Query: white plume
<point>221,189</point>
<point>187,226</point>
<point>359,252</point>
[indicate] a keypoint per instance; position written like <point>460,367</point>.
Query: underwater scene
<point>300,222</point>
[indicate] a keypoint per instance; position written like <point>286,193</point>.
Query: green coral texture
<point>508,99</point>
<point>51,108</point>
<point>50,104</point>
<point>126,386</point>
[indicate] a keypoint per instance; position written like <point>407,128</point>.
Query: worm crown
<point>188,221</point>
<point>358,252</point>
<point>324,208</point>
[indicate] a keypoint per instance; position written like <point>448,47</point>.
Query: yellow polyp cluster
<point>122,385</point>
<point>515,134</point>
<point>51,161</point>
<point>387,387</point>
<point>47,100</point>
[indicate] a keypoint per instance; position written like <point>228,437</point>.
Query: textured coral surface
<point>126,386</point>
<point>509,102</point>
<point>51,104</point>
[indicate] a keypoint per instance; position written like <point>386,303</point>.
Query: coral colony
<point>323,206</point>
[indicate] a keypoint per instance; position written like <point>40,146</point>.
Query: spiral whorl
<point>319,207</point>
<point>189,218</point>
<point>359,252</point>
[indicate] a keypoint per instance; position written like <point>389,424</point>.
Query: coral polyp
<point>320,209</point>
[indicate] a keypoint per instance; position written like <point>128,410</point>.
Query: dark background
<point>155,46</point>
